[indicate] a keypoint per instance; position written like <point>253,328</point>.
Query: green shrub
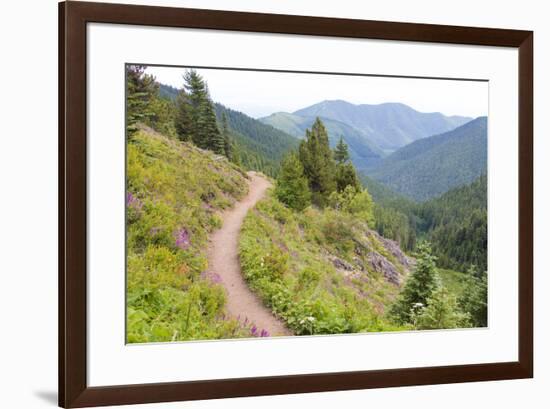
<point>441,312</point>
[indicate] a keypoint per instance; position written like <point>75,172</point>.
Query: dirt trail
<point>223,259</point>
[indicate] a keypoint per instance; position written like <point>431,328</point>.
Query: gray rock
<point>393,248</point>
<point>380,264</point>
<point>342,264</point>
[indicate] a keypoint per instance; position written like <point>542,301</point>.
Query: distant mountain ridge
<point>363,153</point>
<point>390,126</point>
<point>432,166</point>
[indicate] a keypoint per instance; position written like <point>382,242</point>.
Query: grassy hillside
<point>175,191</point>
<point>363,152</point>
<point>321,271</point>
<point>389,125</point>
<point>434,165</point>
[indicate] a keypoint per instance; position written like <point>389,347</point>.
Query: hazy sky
<point>259,94</point>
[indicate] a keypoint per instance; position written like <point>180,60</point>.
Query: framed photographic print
<point>255,204</point>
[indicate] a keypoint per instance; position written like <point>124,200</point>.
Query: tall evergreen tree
<point>341,154</point>
<point>184,117</point>
<point>196,118</point>
<point>212,138</point>
<point>318,162</point>
<point>140,88</point>
<point>419,286</point>
<point>292,187</point>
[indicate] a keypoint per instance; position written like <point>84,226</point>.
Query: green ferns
<point>285,257</point>
<point>174,192</point>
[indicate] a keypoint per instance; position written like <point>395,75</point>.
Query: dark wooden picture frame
<point>73,388</point>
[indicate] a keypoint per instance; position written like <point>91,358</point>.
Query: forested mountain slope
<point>455,222</point>
<point>431,166</point>
<point>261,146</point>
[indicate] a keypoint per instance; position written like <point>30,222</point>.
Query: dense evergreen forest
<point>329,250</point>
<point>455,222</point>
<point>260,147</point>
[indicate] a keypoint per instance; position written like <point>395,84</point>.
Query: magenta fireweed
<point>214,278</point>
<point>256,333</point>
<point>133,202</point>
<point>183,239</point>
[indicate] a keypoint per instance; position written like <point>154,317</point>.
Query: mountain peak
<point>390,125</point>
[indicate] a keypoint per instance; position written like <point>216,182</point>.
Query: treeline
<point>315,174</point>
<point>455,223</point>
<point>190,115</point>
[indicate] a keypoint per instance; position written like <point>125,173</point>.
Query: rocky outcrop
<point>341,264</point>
<point>381,264</point>
<point>375,253</point>
<point>392,247</point>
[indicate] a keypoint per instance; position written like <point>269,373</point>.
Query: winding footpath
<point>223,259</point>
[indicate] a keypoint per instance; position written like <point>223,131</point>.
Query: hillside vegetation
<point>174,194</point>
<point>323,272</point>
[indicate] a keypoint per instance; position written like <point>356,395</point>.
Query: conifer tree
<point>196,119</point>
<point>211,136</point>
<point>140,88</point>
<point>419,287</point>
<point>292,186</point>
<point>474,297</point>
<point>184,117</point>
<point>318,162</point>
<point>341,154</point>
<point>190,103</point>
<point>346,176</point>
<point>442,312</point>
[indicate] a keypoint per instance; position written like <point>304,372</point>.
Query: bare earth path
<point>223,259</point>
